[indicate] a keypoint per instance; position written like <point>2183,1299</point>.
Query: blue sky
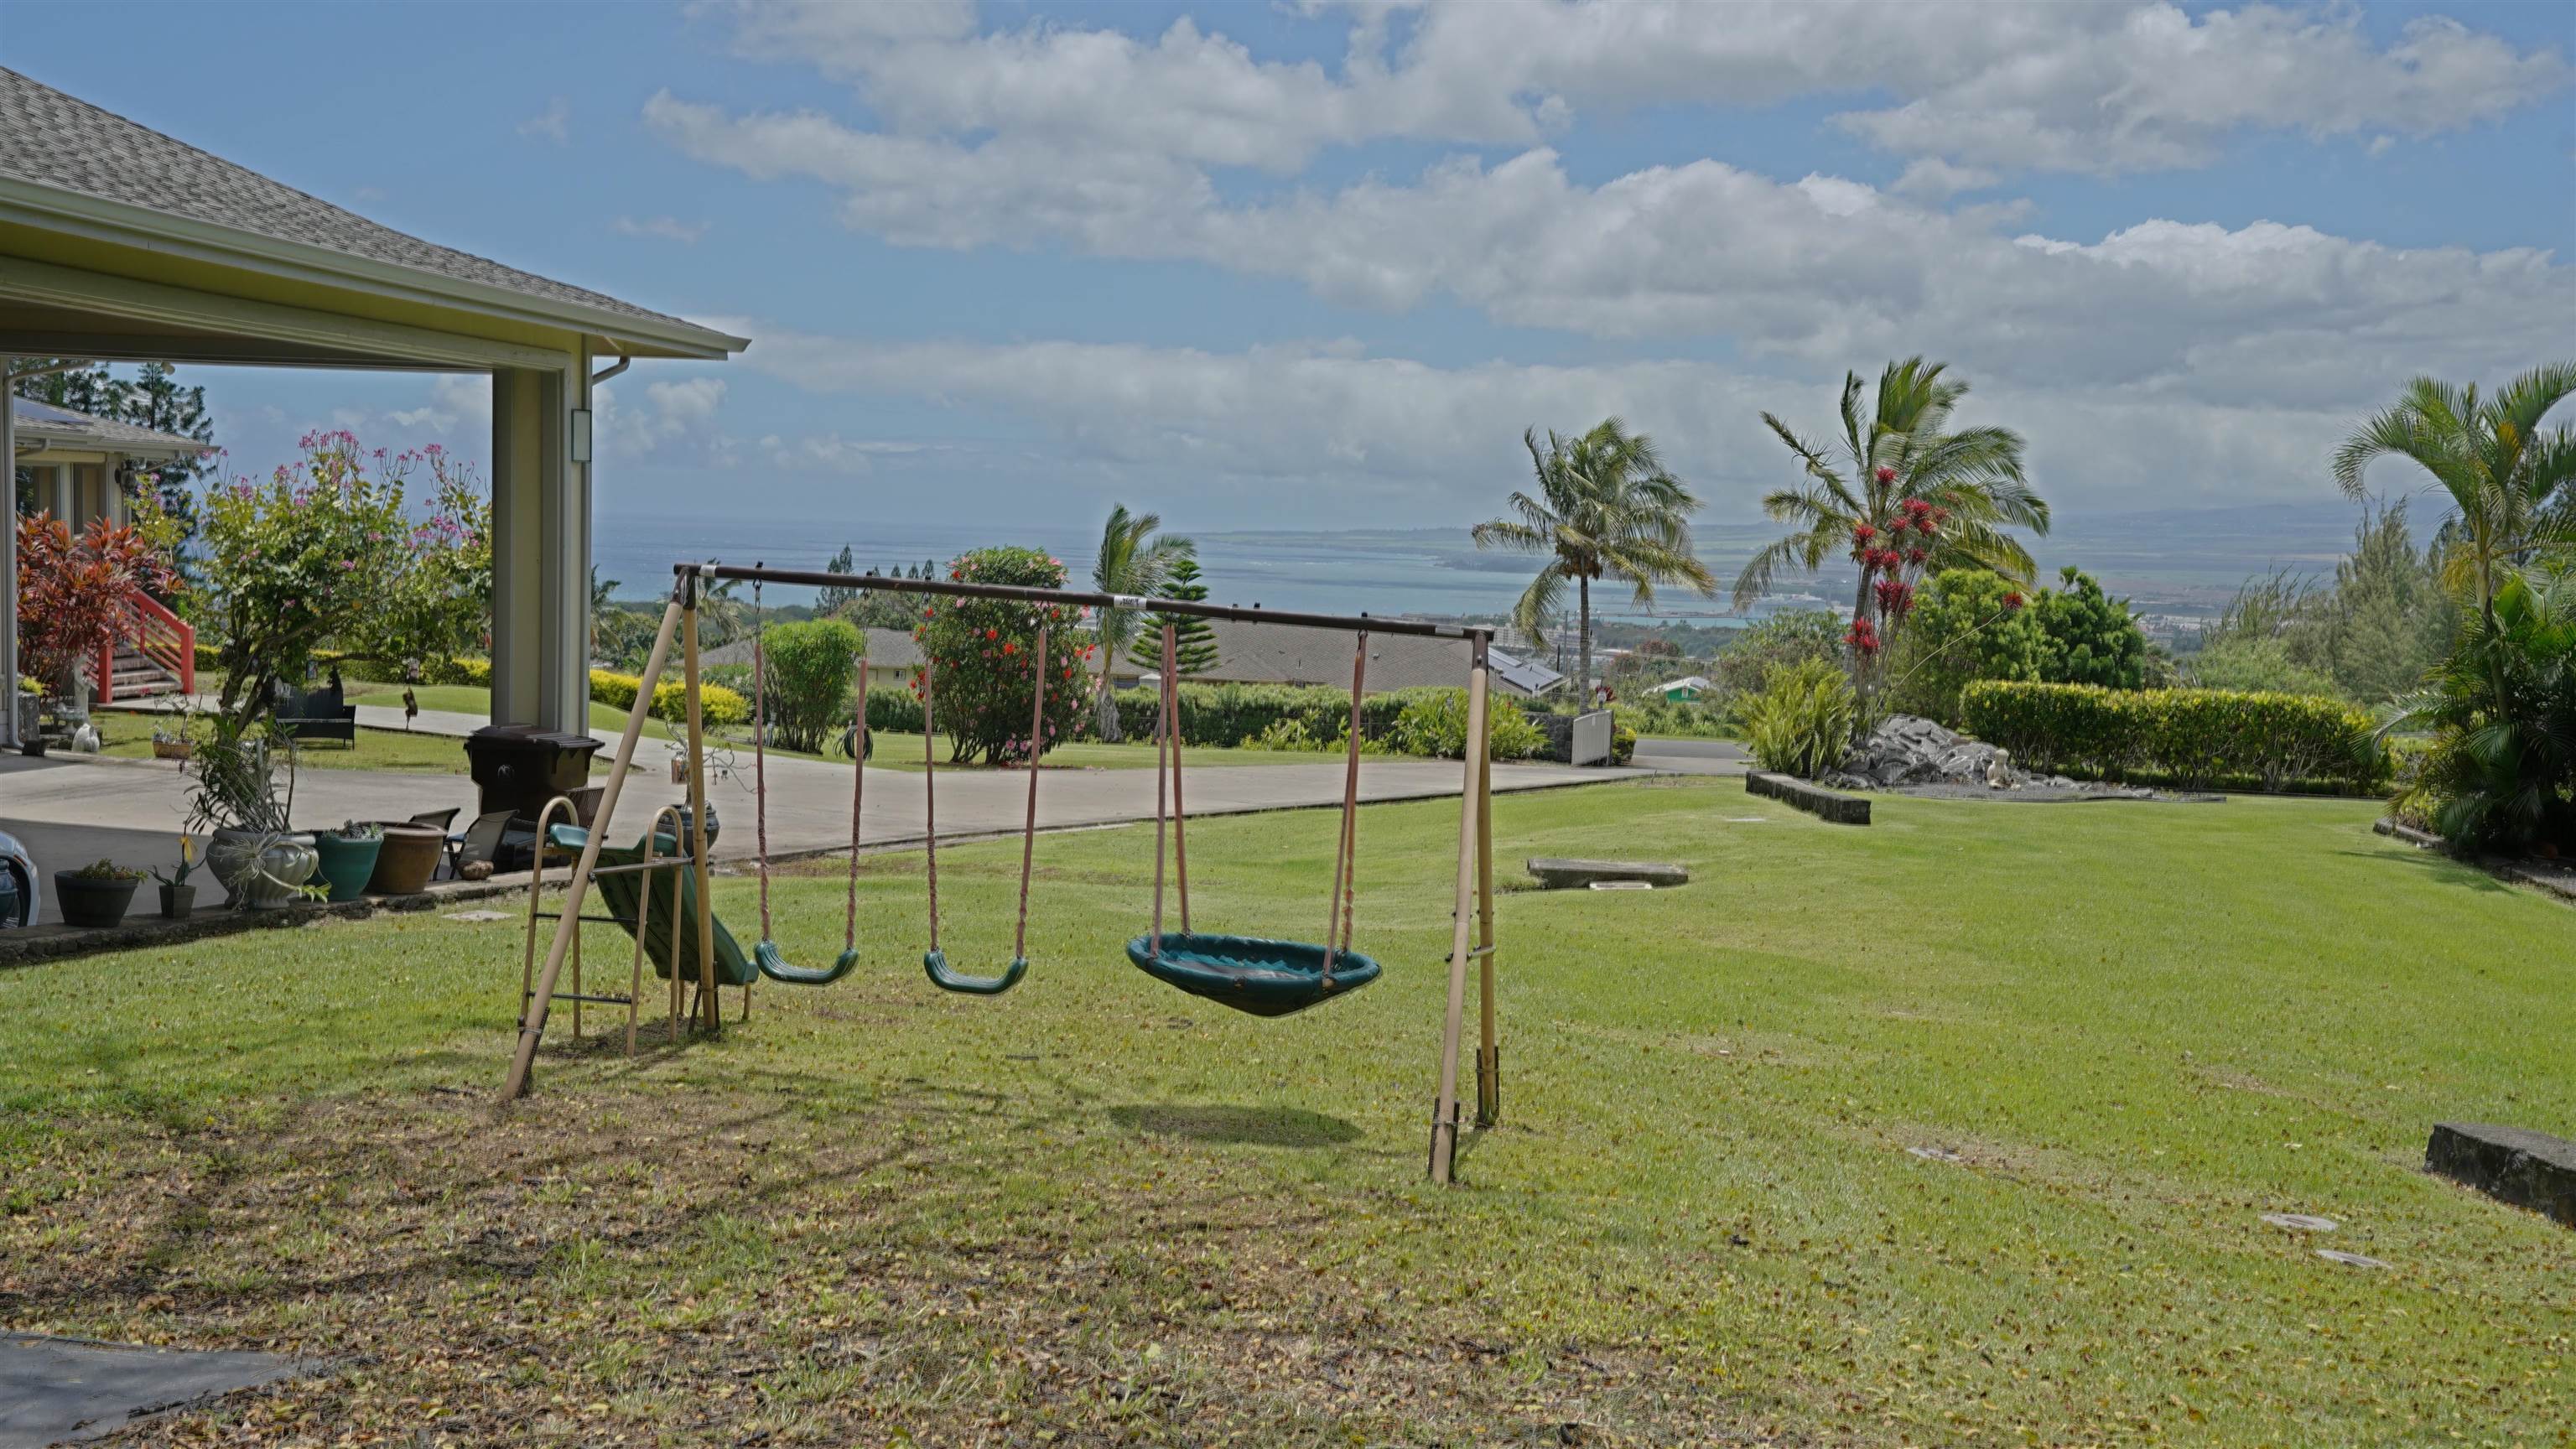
<point>1297,266</point>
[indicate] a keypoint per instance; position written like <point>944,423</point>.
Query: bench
<point>317,714</point>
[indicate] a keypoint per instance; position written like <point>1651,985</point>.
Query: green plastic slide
<point>672,940</point>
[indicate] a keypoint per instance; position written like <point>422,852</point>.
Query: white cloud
<point>829,452</point>
<point>665,228</point>
<point>554,123</point>
<point>454,399</point>
<point>1405,442</point>
<point>1931,179</point>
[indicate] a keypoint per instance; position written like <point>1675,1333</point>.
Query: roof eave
<point>50,206</point>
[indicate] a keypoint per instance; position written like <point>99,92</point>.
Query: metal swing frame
<point>1472,917</point>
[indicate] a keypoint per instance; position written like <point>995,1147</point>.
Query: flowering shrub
<point>983,651</point>
<point>717,705</point>
<point>72,592</point>
<point>437,599</point>
<point>299,561</point>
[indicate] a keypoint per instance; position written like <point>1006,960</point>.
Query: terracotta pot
<point>407,860</point>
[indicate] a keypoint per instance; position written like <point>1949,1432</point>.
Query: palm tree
<point>1605,508</point>
<point>1895,460</point>
<point>603,601</point>
<point>2508,479</point>
<point>1132,563</point>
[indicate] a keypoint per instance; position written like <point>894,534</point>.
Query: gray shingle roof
<point>61,141</point>
<point>49,424</point>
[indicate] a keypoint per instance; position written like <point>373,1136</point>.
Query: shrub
<point>1285,735</point>
<point>73,588</point>
<point>1434,723</point>
<point>1969,626</point>
<point>2092,638</point>
<point>2194,738</point>
<point>806,695</point>
<point>1801,722</point>
<point>717,705</point>
<point>2247,662</point>
<point>893,711</point>
<point>985,653</point>
<point>1623,742</point>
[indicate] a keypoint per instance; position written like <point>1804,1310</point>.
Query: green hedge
<point>2192,738</point>
<point>717,705</point>
<point>1227,714</point>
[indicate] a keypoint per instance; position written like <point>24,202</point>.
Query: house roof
<point>1692,681</point>
<point>57,427</point>
<point>60,142</point>
<point>887,649</point>
<point>1250,653</point>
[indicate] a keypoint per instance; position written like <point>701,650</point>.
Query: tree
<point>1193,641</point>
<point>152,399</point>
<point>1898,469</point>
<point>312,556</point>
<point>603,603</point>
<point>2250,663</point>
<point>2091,637</point>
<point>805,684</point>
<point>833,600</point>
<point>1743,667</point>
<point>2502,709</point>
<point>1605,508</point>
<point>2507,478</point>
<point>72,592</point>
<point>1132,563</point>
<point>1970,626</point>
<point>435,601</point>
<point>984,651</point>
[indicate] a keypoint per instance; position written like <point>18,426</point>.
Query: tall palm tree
<point>1897,456</point>
<point>1136,564</point>
<point>2508,479</point>
<point>1605,508</point>
<point>603,602</point>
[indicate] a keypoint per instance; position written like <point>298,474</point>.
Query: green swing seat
<point>672,940</point>
<point>1250,973</point>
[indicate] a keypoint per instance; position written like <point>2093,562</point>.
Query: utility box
<point>1591,744</point>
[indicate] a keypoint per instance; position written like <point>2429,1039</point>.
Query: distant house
<point>1255,654</point>
<point>1685,689</point>
<point>1249,653</point>
<point>80,468</point>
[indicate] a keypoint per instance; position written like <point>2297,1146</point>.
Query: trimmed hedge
<point>717,705</point>
<point>1224,715</point>
<point>2192,738</point>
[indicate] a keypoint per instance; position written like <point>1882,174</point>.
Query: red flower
<point>1915,555</point>
<point>1886,474</point>
<point>1863,533</point>
<point>2013,600</point>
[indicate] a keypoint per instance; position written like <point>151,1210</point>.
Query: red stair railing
<point>157,635</point>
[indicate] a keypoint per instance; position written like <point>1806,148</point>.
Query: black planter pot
<point>92,903</point>
<point>177,901</point>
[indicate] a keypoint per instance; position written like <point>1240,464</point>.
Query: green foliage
<point>1434,724</point>
<point>983,655</point>
<point>1605,509</point>
<point>1223,714</point>
<point>717,705</point>
<point>806,694</point>
<point>436,599</point>
<point>1743,667</point>
<point>2501,769</point>
<point>241,775</point>
<point>2192,738</point>
<point>1285,735</point>
<point>1970,625</point>
<point>1801,722</point>
<point>2091,637</point>
<point>299,561</point>
<point>1194,642</point>
<point>1678,719</point>
<point>2249,663</point>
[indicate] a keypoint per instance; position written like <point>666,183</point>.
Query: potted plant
<point>408,858</point>
<point>97,894</point>
<point>234,791</point>
<point>169,746</point>
<point>178,897</point>
<point>348,857</point>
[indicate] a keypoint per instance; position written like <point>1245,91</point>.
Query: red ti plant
<point>73,592</point>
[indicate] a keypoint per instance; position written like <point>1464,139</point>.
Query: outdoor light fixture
<point>581,435</point>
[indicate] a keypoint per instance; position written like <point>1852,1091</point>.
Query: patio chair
<point>585,804</point>
<point>438,820</point>
<point>481,841</point>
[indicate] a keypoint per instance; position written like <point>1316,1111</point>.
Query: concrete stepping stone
<point>1561,873</point>
<point>2514,1164</point>
<point>65,1390</point>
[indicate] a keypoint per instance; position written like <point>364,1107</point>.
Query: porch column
<point>9,559</point>
<point>540,549</point>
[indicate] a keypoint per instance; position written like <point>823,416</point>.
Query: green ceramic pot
<point>347,862</point>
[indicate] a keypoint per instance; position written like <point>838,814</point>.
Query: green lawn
<point>130,735</point>
<point>1095,1211</point>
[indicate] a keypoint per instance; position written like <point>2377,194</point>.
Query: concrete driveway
<point>1692,757</point>
<point>72,811</point>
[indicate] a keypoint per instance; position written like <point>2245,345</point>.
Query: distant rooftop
<point>58,427</point>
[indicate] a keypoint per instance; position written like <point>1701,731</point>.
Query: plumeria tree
<point>984,654</point>
<point>73,591</point>
<point>1901,493</point>
<point>437,602</point>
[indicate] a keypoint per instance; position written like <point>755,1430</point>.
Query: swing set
<point>657,891</point>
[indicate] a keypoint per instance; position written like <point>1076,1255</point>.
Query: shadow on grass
<point>2442,867</point>
<point>1241,1126</point>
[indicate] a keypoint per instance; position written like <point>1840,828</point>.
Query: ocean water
<point>2180,564</point>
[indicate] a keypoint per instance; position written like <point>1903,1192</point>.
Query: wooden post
<point>1444,1112</point>
<point>710,1009</point>
<point>1489,1056</point>
<point>532,1022</point>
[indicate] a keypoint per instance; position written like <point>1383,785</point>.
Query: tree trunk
<point>1862,666</point>
<point>1583,642</point>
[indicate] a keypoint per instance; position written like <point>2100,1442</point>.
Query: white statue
<point>1999,775</point>
<point>85,739</point>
